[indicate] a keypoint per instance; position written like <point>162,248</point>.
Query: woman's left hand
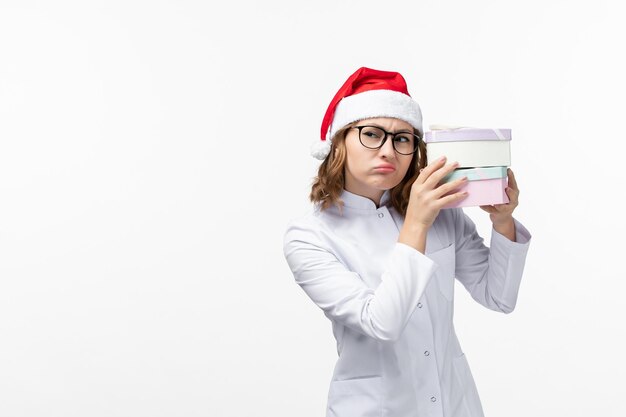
<point>501,215</point>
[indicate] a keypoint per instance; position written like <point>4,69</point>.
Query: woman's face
<point>361,174</point>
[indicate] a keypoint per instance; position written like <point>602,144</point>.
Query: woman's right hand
<point>427,198</point>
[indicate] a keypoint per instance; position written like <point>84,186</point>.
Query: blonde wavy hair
<point>328,185</point>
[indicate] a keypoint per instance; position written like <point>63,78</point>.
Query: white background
<point>152,152</point>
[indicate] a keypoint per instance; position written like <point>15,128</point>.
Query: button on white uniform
<point>381,215</point>
<point>433,399</point>
<point>419,305</point>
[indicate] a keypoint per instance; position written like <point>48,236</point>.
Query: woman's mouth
<point>384,168</point>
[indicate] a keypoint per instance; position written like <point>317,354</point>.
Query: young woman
<point>379,256</point>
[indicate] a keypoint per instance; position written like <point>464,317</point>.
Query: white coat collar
<point>359,202</point>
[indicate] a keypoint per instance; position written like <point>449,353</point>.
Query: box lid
<point>465,133</point>
<point>476,174</point>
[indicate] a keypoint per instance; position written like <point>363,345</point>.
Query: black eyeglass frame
<point>387,135</point>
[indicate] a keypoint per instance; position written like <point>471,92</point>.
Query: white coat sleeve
<point>492,275</point>
<point>381,313</point>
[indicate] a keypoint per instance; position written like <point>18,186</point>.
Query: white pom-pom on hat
<point>320,149</point>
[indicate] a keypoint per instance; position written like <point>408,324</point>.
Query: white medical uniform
<point>391,307</point>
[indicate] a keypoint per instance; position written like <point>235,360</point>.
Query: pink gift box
<point>486,186</point>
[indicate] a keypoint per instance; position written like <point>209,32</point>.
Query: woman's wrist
<point>506,227</point>
<point>414,235</point>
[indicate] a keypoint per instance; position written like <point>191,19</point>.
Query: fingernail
<point>443,158</point>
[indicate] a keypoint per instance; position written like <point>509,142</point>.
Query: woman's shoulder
<point>315,217</point>
<point>306,220</point>
<point>312,226</point>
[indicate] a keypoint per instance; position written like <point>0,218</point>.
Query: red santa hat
<point>367,93</point>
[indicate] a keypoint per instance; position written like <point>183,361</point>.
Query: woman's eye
<point>371,135</point>
<point>403,138</point>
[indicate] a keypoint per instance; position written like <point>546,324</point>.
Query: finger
<point>452,198</point>
<point>512,194</point>
<point>449,187</point>
<point>501,206</point>
<point>511,177</point>
<point>505,207</point>
<point>436,177</point>
<point>428,169</point>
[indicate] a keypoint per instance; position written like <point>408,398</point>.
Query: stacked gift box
<point>483,156</point>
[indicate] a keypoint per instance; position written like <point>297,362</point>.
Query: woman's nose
<point>387,148</point>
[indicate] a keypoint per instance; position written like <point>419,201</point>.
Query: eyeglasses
<point>374,137</point>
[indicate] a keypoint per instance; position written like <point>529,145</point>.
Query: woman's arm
<point>492,275</point>
<point>381,313</point>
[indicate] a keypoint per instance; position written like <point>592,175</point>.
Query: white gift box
<point>470,147</point>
